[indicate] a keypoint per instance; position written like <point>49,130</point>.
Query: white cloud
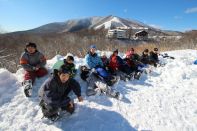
<point>191,10</point>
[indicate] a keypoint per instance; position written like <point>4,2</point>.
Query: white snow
<point>166,99</point>
<point>108,24</point>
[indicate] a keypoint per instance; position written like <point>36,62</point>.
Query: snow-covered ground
<point>166,99</point>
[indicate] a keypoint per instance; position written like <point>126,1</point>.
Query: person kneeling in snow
<point>33,62</point>
<point>54,94</point>
<point>95,84</point>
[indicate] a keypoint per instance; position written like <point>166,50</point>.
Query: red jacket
<point>114,64</point>
<point>129,54</point>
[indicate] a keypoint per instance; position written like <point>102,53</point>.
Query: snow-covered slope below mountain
<point>165,99</point>
<point>114,21</point>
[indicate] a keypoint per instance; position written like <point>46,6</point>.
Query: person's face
<point>70,61</point>
<point>115,53</point>
<point>104,56</point>
<point>155,52</point>
<point>132,51</point>
<point>31,49</point>
<point>146,53</point>
<point>92,50</point>
<point>64,77</point>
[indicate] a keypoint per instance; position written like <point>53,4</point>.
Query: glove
<point>93,70</point>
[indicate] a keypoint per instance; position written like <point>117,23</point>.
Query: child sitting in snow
<point>33,62</point>
<point>94,62</point>
<point>105,60</point>
<point>145,57</point>
<point>117,65</point>
<point>133,61</point>
<point>154,59</point>
<point>69,63</point>
<point>96,85</point>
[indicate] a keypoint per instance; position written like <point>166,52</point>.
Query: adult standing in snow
<point>33,62</point>
<point>54,93</point>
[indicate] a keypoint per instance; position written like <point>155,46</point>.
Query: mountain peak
<point>95,22</point>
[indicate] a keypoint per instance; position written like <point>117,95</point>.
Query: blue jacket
<point>93,60</point>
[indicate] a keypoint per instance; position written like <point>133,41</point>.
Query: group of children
<point>100,73</point>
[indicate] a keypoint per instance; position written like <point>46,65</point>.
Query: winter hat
<point>146,50</point>
<point>92,47</point>
<point>70,58</point>
<point>103,54</point>
<point>64,70</point>
<point>155,49</point>
<point>132,49</point>
<point>31,44</point>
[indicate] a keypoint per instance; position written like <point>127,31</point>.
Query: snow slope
<point>108,24</point>
<point>166,99</point>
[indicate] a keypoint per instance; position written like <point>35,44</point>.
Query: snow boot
<point>117,95</point>
<point>137,75</point>
<point>54,117</point>
<point>27,84</point>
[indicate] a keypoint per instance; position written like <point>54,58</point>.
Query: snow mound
<point>8,86</point>
<point>165,99</point>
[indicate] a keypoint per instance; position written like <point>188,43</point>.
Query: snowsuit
<point>54,95</point>
<point>30,61</point>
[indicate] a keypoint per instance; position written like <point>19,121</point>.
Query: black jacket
<point>154,57</point>
<point>54,93</point>
<point>144,58</point>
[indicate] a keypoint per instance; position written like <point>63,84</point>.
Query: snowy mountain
<point>114,22</point>
<point>108,22</point>
<point>163,100</point>
<point>68,26</point>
